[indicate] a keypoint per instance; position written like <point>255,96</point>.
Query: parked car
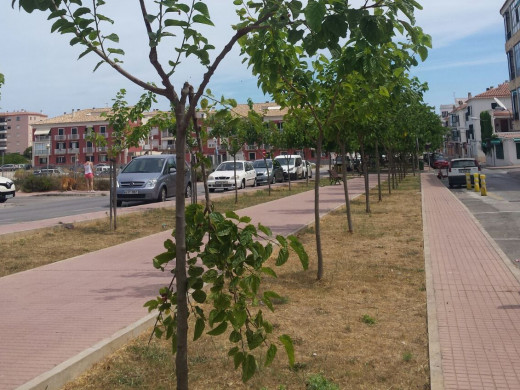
<point>9,167</point>
<point>307,169</point>
<point>224,176</point>
<point>338,163</point>
<point>459,167</point>
<point>275,171</point>
<point>49,171</point>
<point>292,165</point>
<point>150,178</point>
<point>102,170</point>
<point>441,163</point>
<point>7,189</point>
<point>434,157</point>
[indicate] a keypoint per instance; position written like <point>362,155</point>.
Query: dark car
<point>275,171</point>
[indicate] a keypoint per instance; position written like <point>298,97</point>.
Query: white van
<point>292,165</point>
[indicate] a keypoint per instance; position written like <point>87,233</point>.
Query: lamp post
<point>48,155</point>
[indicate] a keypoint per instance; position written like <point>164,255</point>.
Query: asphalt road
<point>499,212</point>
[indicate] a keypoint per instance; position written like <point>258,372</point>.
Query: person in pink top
<point>89,175</point>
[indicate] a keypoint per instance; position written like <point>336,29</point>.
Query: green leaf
<point>80,11</point>
<point>232,215</point>
<point>235,336</point>
<point>200,324</point>
<point>98,65</point>
<point>219,329</point>
<point>314,14</point>
<point>245,219</point>
<point>248,368</point>
<point>265,230</point>
<point>199,296</point>
<point>269,271</point>
<point>297,246</point>
<point>271,353</point>
<point>116,51</point>
<point>112,37</point>
<point>203,20</point>
<point>202,8</point>
<point>238,359</point>
<point>174,22</point>
<point>289,349</point>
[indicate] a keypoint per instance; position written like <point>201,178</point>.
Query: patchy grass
<point>377,271</point>
<point>27,250</point>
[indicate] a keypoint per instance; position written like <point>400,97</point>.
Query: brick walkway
<point>474,299</point>
<point>58,319</point>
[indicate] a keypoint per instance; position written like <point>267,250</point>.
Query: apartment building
<point>16,130</point>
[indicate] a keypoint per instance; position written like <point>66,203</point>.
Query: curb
<point>77,365</point>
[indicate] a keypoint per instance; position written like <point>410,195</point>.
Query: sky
<point>42,73</point>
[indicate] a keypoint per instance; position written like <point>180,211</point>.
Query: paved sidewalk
<point>58,319</point>
<point>473,298</point>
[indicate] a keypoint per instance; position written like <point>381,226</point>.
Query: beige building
<point>16,130</point>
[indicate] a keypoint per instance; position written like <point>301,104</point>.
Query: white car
<point>459,167</point>
<point>307,169</point>
<point>224,176</point>
<point>7,189</point>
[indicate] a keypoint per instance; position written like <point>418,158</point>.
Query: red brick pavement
<point>474,298</point>
<point>51,314</point>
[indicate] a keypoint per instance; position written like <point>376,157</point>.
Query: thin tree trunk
<point>364,164</point>
<point>345,188</point>
<point>317,206</point>
<point>235,173</point>
<point>111,194</point>
<point>181,360</point>
<point>114,192</point>
<point>380,195</point>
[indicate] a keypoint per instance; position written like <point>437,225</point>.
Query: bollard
<point>468,181</point>
<point>476,182</point>
<point>483,188</point>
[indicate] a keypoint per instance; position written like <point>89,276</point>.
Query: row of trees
<point>340,68</point>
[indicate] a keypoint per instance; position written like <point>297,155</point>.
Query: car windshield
<point>286,161</point>
<point>261,164</point>
<point>463,163</point>
<point>229,166</point>
<point>145,165</point>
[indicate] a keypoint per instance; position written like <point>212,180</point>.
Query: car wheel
<point>211,190</point>
<point>187,193</point>
<point>2,200</point>
<point>273,180</point>
<point>162,195</point>
<point>242,184</point>
<point>254,183</point>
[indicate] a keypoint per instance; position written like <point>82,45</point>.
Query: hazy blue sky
<point>42,73</point>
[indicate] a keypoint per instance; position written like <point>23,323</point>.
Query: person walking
<point>89,175</point>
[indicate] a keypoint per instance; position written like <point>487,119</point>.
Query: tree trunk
<point>317,205</point>
<point>364,164</point>
<point>380,195</point>
<point>345,188</point>
<point>235,173</point>
<point>389,175</point>
<point>181,361</point>
<point>114,191</point>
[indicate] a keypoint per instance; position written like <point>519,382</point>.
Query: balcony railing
<point>73,150</point>
<point>60,137</point>
<point>60,151</point>
<point>102,149</point>
<point>89,149</point>
<point>42,138</point>
<point>73,137</point>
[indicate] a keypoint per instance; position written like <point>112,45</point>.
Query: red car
<point>441,164</point>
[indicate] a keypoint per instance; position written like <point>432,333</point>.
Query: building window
<point>499,150</point>
<point>61,131</point>
<point>103,158</point>
<point>90,158</point>
<point>514,101</point>
<point>18,119</point>
<point>60,160</point>
<point>517,144</point>
<point>103,130</point>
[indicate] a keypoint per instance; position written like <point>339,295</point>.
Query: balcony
<point>73,150</point>
<point>60,137</point>
<point>42,138</point>
<point>73,137</point>
<point>60,151</point>
<point>102,149</point>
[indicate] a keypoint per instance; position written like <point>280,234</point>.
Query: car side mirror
<point>173,170</point>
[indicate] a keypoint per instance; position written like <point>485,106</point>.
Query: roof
<point>269,109</point>
<point>501,91</point>
<point>13,113</point>
<point>79,116</point>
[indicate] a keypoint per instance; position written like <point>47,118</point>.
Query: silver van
<point>150,178</point>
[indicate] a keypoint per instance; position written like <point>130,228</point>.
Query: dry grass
<point>363,326</point>
<point>27,250</point>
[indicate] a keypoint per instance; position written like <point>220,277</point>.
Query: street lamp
<point>48,155</point>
